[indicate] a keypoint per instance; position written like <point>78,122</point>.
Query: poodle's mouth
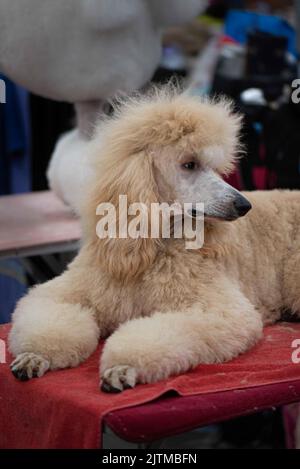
<point>221,218</point>
<point>196,214</point>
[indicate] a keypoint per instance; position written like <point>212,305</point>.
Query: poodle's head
<point>165,147</point>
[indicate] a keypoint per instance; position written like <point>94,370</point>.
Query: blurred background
<point>245,49</point>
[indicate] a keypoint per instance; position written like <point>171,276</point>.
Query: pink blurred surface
<point>35,219</point>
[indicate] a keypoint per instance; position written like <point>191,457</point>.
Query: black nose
<point>242,205</point>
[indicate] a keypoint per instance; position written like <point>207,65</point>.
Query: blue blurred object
<point>15,177</point>
<point>12,287</point>
<point>15,170</point>
<point>239,24</point>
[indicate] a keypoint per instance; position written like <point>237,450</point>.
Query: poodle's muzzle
<point>237,208</point>
<point>223,202</point>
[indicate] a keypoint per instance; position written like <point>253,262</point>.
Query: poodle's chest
<point>167,287</point>
<point>163,294</point>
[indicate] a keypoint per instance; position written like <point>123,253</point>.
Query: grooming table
<point>66,409</point>
<point>36,223</point>
<point>35,227</point>
<point>169,416</point>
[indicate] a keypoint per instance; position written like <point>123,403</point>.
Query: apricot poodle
<point>162,307</point>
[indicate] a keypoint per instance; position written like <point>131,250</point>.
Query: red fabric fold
<point>65,409</point>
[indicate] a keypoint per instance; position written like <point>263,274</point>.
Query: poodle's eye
<point>191,165</point>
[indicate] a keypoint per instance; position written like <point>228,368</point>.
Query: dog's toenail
<point>21,375</point>
<point>127,386</point>
<point>108,388</point>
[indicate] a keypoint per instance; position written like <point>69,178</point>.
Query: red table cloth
<point>65,409</point>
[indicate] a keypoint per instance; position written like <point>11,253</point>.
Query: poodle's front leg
<point>150,349</point>
<point>48,334</point>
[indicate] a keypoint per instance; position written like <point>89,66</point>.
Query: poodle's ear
<point>123,258</point>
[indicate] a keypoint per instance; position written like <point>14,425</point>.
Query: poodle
<point>163,308</point>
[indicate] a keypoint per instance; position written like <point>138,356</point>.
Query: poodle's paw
<point>118,378</point>
<point>29,365</point>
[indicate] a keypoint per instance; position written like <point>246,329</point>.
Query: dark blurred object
<point>267,69</point>
<point>273,4</point>
<point>282,142</point>
<point>258,76</point>
<point>265,54</point>
<point>15,171</point>
<point>272,141</point>
<point>219,8</point>
<point>49,119</point>
<point>258,431</point>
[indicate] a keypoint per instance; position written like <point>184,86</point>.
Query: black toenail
<point>20,375</point>
<point>108,388</point>
<point>127,386</point>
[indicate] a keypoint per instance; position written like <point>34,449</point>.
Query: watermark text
<point>160,220</point>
